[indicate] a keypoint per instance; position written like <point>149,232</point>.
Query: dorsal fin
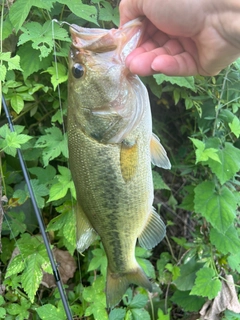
<point>158,154</point>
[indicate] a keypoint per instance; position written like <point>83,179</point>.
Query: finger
<point>130,10</point>
<point>182,64</point>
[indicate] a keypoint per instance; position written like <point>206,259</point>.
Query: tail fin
<point>117,284</point>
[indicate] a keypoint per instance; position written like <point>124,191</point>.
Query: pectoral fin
<point>153,232</point>
<point>85,232</point>
<point>128,160</point>
<point>158,154</point>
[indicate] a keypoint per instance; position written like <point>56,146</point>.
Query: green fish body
<point>111,147</point>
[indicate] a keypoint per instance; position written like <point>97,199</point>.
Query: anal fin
<point>84,231</point>
<point>158,154</point>
<point>153,232</point>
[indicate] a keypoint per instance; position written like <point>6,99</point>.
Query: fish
<point>111,147</point>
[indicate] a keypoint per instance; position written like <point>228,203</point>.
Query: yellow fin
<point>128,160</point>
<point>158,154</point>
<point>85,232</point>
<point>153,232</point>
<point>117,284</point>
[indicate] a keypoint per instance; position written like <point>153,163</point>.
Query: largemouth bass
<point>111,147</point>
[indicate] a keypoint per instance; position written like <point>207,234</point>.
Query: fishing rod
<point>39,219</point>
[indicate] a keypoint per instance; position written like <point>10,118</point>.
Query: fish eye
<point>77,70</point>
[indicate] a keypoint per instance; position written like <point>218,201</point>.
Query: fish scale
<point>110,150</point>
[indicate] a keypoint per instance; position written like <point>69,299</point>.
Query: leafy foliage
<point>197,119</point>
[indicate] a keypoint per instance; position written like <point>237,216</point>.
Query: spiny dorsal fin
<point>128,160</point>
<point>158,154</point>
<point>85,232</point>
<point>153,232</point>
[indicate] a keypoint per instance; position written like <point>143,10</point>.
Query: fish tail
<point>117,284</point>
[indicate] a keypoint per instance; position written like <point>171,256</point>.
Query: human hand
<point>184,38</point>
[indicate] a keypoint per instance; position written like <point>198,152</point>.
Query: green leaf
<point>187,82</point>
<point>234,262</point>
<point>3,72</point>
<point>218,207</point>
<point>41,36</point>
<point>59,74</point>
<point>60,189</point>
<point>53,143</point>
<point>3,312</point>
<point>163,316</point>
<point>17,103</point>
<point>16,266</point>
<point>158,182</point>
<point>98,261</point>
<point>14,223</point>
<point>203,153</point>
<point>40,191</point>
<point>206,284</point>
<point>44,175</point>
<point>139,301</point>
<point>32,275</point>
<point>117,314</point>
<point>20,10</point>
<point>230,163</point>
<point>140,314</point>
<point>186,301</point>
<point>50,312</point>
<point>95,295</point>
<point>187,275</point>
<point>81,10</point>
<point>226,243</point>
<point>229,315</point>
<point>30,60</point>
<point>235,126</point>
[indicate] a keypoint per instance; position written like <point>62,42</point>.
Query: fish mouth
<point>103,40</point>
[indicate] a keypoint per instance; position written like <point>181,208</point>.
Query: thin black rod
<point>39,218</point>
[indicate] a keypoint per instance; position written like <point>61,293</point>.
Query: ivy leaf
<point>20,10</point>
<point>53,143</point>
<point>187,275</point>
<point>186,301</point>
<point>44,175</point>
<point>50,312</point>
<point>206,284</point>
<point>218,207</point>
<point>235,126</point>
<point>187,82</point>
<point>230,163</point>
<point>226,243</point>
<point>59,74</point>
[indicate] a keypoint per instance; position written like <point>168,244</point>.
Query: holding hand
<point>184,37</point>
